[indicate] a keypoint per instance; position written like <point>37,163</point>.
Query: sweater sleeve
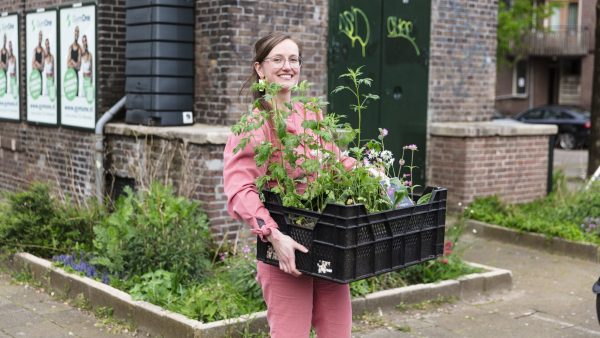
<point>239,175</point>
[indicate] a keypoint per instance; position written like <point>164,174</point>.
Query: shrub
<point>152,230</point>
<point>230,292</point>
<point>559,214</point>
<point>36,222</point>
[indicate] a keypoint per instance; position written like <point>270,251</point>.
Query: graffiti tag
<point>399,28</point>
<point>349,25</point>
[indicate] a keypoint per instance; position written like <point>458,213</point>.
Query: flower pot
<point>346,244</point>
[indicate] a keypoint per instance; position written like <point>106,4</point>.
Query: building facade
<point>558,63</point>
<point>460,61</point>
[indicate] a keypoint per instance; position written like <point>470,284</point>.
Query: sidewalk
<point>27,312</point>
<point>551,297</point>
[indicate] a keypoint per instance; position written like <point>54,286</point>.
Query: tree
<point>594,144</point>
<point>515,21</point>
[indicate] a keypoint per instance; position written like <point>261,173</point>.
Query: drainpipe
<point>99,147</point>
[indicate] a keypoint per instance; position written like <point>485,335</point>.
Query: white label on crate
<point>188,117</point>
<point>271,254</point>
<point>323,266</point>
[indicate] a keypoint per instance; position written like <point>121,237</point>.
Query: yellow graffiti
<point>349,26</point>
<point>399,28</point>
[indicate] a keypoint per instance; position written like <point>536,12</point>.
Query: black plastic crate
<point>159,67</point>
<point>159,32</point>
<point>346,244</point>
<point>160,14</point>
<point>159,102</point>
<point>159,85</point>
<point>160,50</point>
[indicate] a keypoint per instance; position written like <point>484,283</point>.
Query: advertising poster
<point>41,63</point>
<point>9,67</point>
<point>77,66</point>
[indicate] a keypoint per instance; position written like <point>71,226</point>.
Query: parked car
<point>573,123</point>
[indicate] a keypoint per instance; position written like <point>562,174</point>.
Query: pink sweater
<point>240,172</point>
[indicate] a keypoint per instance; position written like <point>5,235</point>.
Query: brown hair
<point>262,48</point>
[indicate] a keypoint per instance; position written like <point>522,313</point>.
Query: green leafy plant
<point>517,21</point>
<point>158,287</point>
<point>311,152</point>
<point>151,230</point>
<point>34,221</point>
<point>561,213</point>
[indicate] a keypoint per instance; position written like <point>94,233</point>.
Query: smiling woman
<point>295,302</point>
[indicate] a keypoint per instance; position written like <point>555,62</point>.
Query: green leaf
<point>424,199</point>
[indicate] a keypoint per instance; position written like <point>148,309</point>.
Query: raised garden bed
<point>158,321</point>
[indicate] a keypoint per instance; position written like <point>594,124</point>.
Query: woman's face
<point>84,42</point>
<point>47,46</point>
<point>276,66</point>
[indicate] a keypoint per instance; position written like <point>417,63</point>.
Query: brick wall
<point>225,35</point>
<point>195,170</point>
<point>462,71</point>
<point>60,155</point>
<point>462,64</point>
<point>513,167</point>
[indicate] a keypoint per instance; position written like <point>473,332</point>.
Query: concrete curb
<point>589,252</point>
<point>159,321</point>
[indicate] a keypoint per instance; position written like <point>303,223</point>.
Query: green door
<point>396,56</point>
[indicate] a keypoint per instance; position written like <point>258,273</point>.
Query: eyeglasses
<point>279,61</point>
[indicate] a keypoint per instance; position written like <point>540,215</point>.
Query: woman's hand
<point>285,248</point>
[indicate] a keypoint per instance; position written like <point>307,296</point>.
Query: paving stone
<point>18,318</point>
<point>43,306</point>
<point>43,329</point>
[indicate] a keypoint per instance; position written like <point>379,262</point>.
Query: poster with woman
<point>77,66</point>
<point>40,35</point>
<point>9,67</point>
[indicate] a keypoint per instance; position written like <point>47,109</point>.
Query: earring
<point>261,81</point>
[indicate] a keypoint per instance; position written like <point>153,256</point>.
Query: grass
<point>562,213</point>
<point>426,305</point>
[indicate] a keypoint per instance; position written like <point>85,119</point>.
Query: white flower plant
<point>371,181</point>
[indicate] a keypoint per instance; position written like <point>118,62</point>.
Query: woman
<point>294,302</point>
<point>86,67</point>
<point>11,70</point>
<point>48,75</point>
<point>74,57</point>
<point>37,64</point>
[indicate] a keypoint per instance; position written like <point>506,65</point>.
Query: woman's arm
<point>243,202</point>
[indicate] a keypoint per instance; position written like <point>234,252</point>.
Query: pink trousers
<point>294,304</point>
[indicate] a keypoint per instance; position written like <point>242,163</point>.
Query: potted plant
<point>355,223</point>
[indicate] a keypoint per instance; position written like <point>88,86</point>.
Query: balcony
<point>559,41</point>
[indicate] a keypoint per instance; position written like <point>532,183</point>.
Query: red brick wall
<point>60,155</point>
<point>514,168</point>
<point>195,170</point>
<point>462,65</point>
<point>225,35</point>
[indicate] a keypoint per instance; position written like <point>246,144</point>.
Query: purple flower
<point>401,161</point>
<point>383,132</point>
<point>412,147</point>
<point>246,249</point>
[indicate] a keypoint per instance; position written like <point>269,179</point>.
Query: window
<point>533,115</point>
<point>555,20</point>
<point>572,16</point>
<point>571,67</point>
<point>520,78</point>
<point>565,116</point>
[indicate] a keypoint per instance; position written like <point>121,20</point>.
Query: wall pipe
<point>99,147</point>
